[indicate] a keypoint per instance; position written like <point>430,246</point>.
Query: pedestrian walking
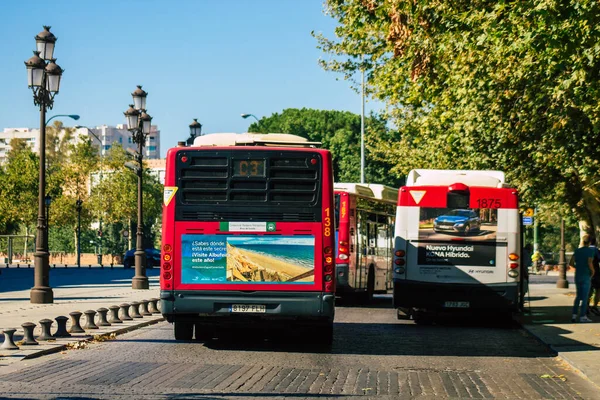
<point>583,261</point>
<point>595,288</point>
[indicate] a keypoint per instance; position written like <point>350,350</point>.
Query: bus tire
<point>183,330</point>
<point>325,334</point>
<point>370,285</point>
<point>203,333</point>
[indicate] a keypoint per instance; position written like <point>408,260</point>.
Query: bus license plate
<point>457,304</point>
<point>248,308</point>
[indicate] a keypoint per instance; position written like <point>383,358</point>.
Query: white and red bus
<point>248,235</point>
<point>457,243</point>
<point>365,215</point>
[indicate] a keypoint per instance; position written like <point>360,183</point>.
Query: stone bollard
<point>125,312</point>
<point>135,312</point>
<point>114,315</point>
<point>153,306</point>
<point>46,325</point>
<point>75,324</point>
<point>102,321</point>
<point>61,331</point>
<point>28,339</point>
<point>89,319</point>
<point>9,341</point>
<point>144,308</point>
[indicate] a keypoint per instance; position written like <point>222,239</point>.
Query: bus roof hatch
<point>436,177</point>
<point>253,139</point>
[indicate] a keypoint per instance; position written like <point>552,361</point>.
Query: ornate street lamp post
<point>78,205</point>
<point>246,116</point>
<point>139,124</point>
<point>195,131</point>
<point>44,79</point>
<point>562,282</point>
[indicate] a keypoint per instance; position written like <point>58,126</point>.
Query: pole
<point>535,232</point>
<point>140,280</point>
<point>78,205</point>
<point>41,292</point>
<point>562,282</point>
<point>362,126</point>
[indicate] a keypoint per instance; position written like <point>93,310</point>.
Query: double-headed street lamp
<point>139,124</point>
<point>44,79</point>
<point>195,131</point>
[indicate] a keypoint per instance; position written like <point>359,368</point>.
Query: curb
<point>558,354</point>
<point>86,339</point>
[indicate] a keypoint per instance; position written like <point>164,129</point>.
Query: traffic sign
<point>529,212</point>
<point>527,220</point>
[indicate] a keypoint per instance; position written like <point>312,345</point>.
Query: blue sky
<point>211,60</point>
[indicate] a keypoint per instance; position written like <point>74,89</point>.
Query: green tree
<point>485,85</point>
<point>118,188</point>
<point>338,131</point>
<point>19,182</point>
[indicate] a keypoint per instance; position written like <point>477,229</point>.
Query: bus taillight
<point>513,265</point>
<point>400,253</point>
<point>513,257</point>
<point>399,261</point>
<point>343,251</point>
<point>167,258</point>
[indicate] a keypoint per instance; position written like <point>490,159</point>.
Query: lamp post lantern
<point>43,77</point>
<point>246,116</point>
<point>195,131</point>
<point>139,123</point>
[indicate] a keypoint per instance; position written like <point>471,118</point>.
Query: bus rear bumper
<point>448,297</point>
<point>207,306</point>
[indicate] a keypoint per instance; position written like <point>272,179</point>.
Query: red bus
<point>458,244</point>
<point>248,235</point>
<point>365,215</point>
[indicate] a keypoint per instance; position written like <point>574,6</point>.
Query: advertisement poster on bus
<point>457,236</point>
<point>247,259</point>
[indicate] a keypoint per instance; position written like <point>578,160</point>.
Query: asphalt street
<point>373,355</point>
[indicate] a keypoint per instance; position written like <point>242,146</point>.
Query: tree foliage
<point>485,85</point>
<point>338,131</point>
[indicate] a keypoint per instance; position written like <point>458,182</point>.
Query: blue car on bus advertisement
<point>457,221</point>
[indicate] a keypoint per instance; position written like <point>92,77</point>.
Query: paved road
<point>373,355</point>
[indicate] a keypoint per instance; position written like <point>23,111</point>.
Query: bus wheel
<point>203,333</point>
<point>184,330</point>
<point>367,296</point>
<point>325,334</point>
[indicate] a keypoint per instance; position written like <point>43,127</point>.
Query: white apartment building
<point>104,137</point>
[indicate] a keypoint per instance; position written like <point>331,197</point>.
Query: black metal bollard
<point>46,325</point>
<point>114,315</point>
<point>125,312</point>
<point>75,324</point>
<point>9,341</point>
<point>152,306</point>
<point>28,339</point>
<point>61,331</point>
<point>89,319</point>
<point>102,321</point>
<point>135,312</point>
<point>144,308</point>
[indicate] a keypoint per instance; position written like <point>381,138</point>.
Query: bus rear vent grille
<point>243,216</point>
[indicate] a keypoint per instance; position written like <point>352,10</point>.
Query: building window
<point>152,148</point>
<point>152,138</point>
<point>107,147</point>
<point>129,140</point>
<point>120,140</point>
